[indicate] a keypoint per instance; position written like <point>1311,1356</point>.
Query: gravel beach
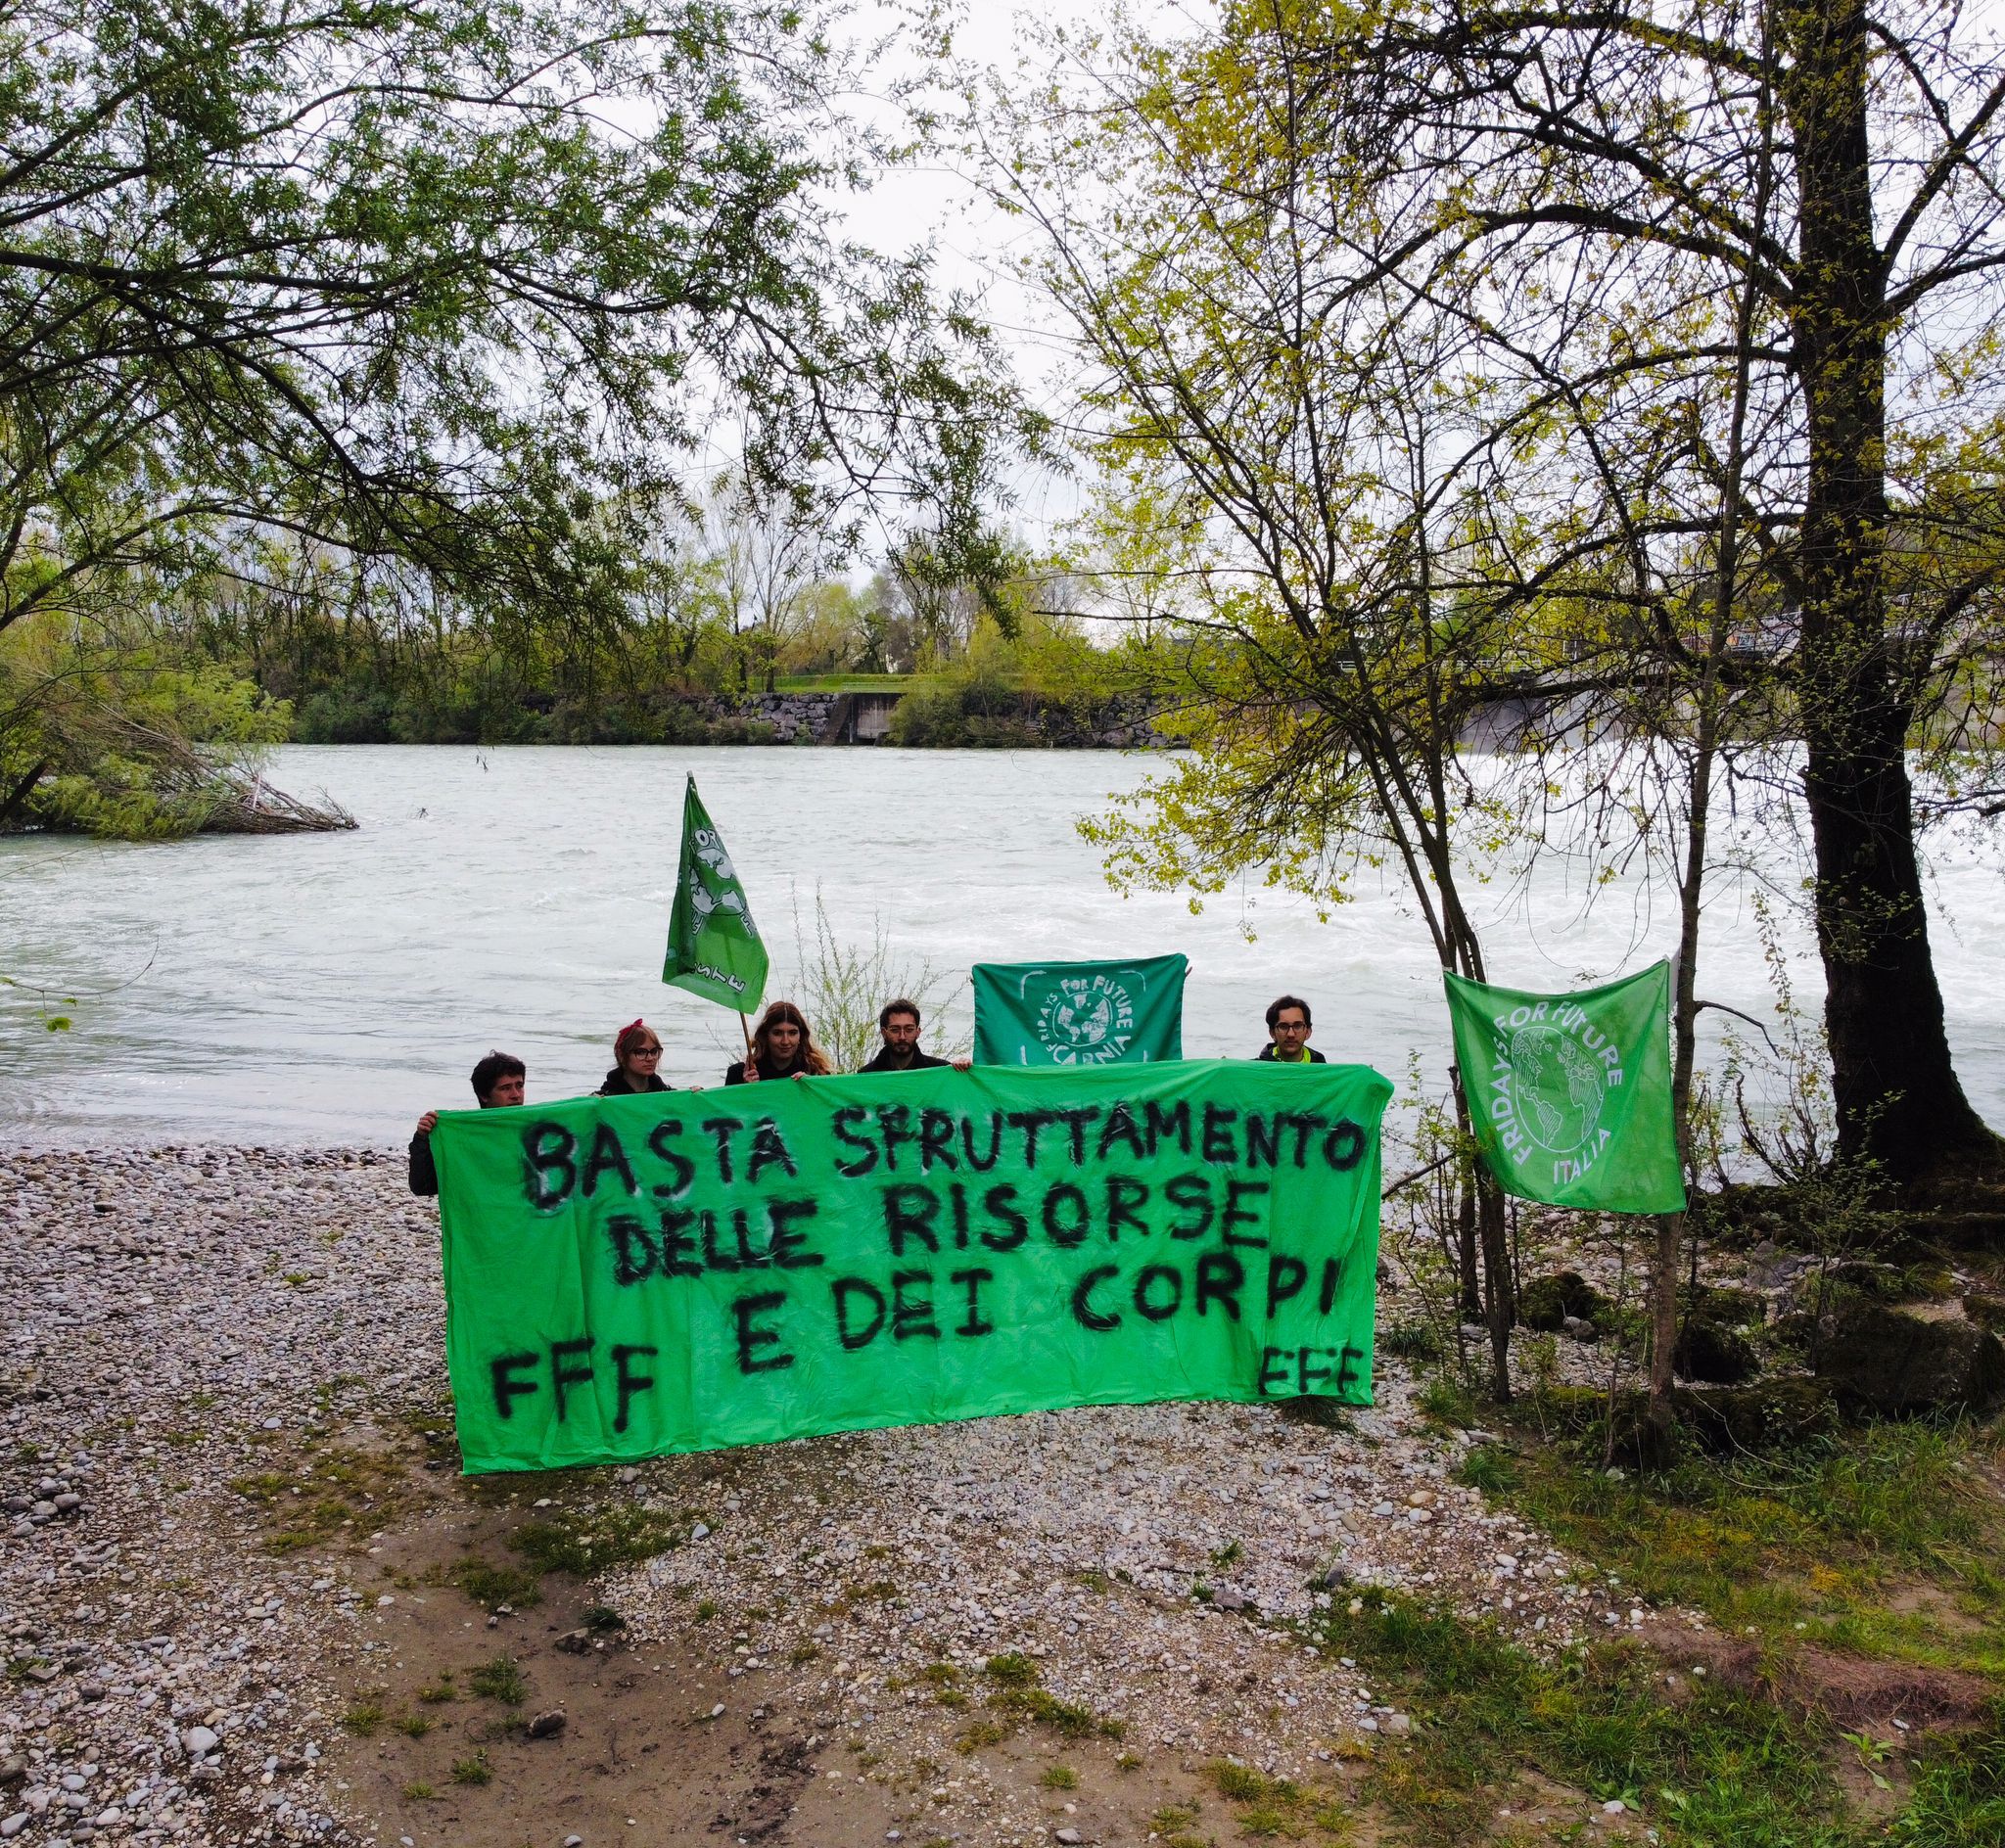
<point>224,1402</point>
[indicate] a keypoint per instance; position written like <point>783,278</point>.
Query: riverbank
<point>247,1598</point>
<point>913,713</point>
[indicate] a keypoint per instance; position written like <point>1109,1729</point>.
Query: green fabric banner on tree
<point>1572,1093</point>
<point>714,947</point>
<point>1079,1013</point>
<point>631,1275</point>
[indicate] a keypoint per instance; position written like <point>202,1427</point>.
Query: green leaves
<point>425,285</point>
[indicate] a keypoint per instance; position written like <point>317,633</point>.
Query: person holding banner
<point>637,1059</point>
<point>498,1081</point>
<point>898,1022</point>
<point>781,1047</point>
<point>1288,1034</point>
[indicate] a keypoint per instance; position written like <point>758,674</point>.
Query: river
<point>326,989</point>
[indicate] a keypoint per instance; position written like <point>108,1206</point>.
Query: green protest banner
<point>713,946</point>
<point>1572,1093</point>
<point>631,1275</point>
<point>1079,1013</point>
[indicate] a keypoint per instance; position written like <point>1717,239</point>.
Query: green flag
<point>627,1277</point>
<point>713,946</point>
<point>1079,1013</point>
<point>1572,1093</point>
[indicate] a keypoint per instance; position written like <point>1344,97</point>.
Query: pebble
<point>162,1632</point>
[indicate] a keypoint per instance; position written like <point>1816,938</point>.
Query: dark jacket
<point>916,1061</point>
<point>768,1067</point>
<point>1314,1058</point>
<point>616,1085</point>
<point>424,1169</point>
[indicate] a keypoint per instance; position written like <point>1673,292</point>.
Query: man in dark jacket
<point>1288,1034</point>
<point>498,1081</point>
<point>898,1022</point>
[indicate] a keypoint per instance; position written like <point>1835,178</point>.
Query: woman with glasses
<point>638,1057</point>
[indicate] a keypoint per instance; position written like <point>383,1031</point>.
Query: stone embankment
<point>865,717</point>
<point>223,1444</point>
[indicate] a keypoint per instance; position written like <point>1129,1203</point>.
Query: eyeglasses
<point>644,1052</point>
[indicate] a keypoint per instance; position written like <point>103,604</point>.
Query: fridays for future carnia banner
<point>1079,1013</point>
<point>668,1271</point>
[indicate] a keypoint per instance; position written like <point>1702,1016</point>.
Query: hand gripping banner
<point>627,1277</point>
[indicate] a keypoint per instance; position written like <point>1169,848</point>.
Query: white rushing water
<point>328,987</point>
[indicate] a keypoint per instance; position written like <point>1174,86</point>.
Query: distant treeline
<point>111,727</point>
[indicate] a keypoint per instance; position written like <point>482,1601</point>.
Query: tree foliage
<point>1541,326</point>
<point>429,302</point>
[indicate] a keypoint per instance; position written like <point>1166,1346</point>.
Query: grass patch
<point>1446,1400</point>
<point>414,1726</point>
<point>1820,1536</point>
<point>1058,1778</point>
<point>1958,1799</point>
<point>982,1733</point>
<point>501,1680</point>
<point>441,1691</point>
<point>312,1502</point>
<point>1411,1341</point>
<point>365,1719</point>
<point>416,1792</point>
<point>472,1769</point>
<point>1018,1695</point>
<point>1044,1708</point>
<point>1729,1768</point>
<point>489,1584</point>
<point>1237,1783</point>
<point>584,1542</point>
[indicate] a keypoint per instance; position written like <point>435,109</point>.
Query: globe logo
<point>1085,1021</point>
<point>1558,1086</point>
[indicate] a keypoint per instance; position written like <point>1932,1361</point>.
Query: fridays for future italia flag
<point>1079,1013</point>
<point>1572,1093</point>
<point>714,947</point>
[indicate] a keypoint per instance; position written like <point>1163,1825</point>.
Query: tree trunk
<point>1471,1306</point>
<point>1498,1310</point>
<point>16,798</point>
<point>1896,1093</point>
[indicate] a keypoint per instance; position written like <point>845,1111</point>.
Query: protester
<point>898,1022</point>
<point>498,1081</point>
<point>1288,1034</point>
<point>781,1047</point>
<point>637,1059</point>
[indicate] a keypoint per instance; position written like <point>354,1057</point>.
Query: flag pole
<point>745,1027</point>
